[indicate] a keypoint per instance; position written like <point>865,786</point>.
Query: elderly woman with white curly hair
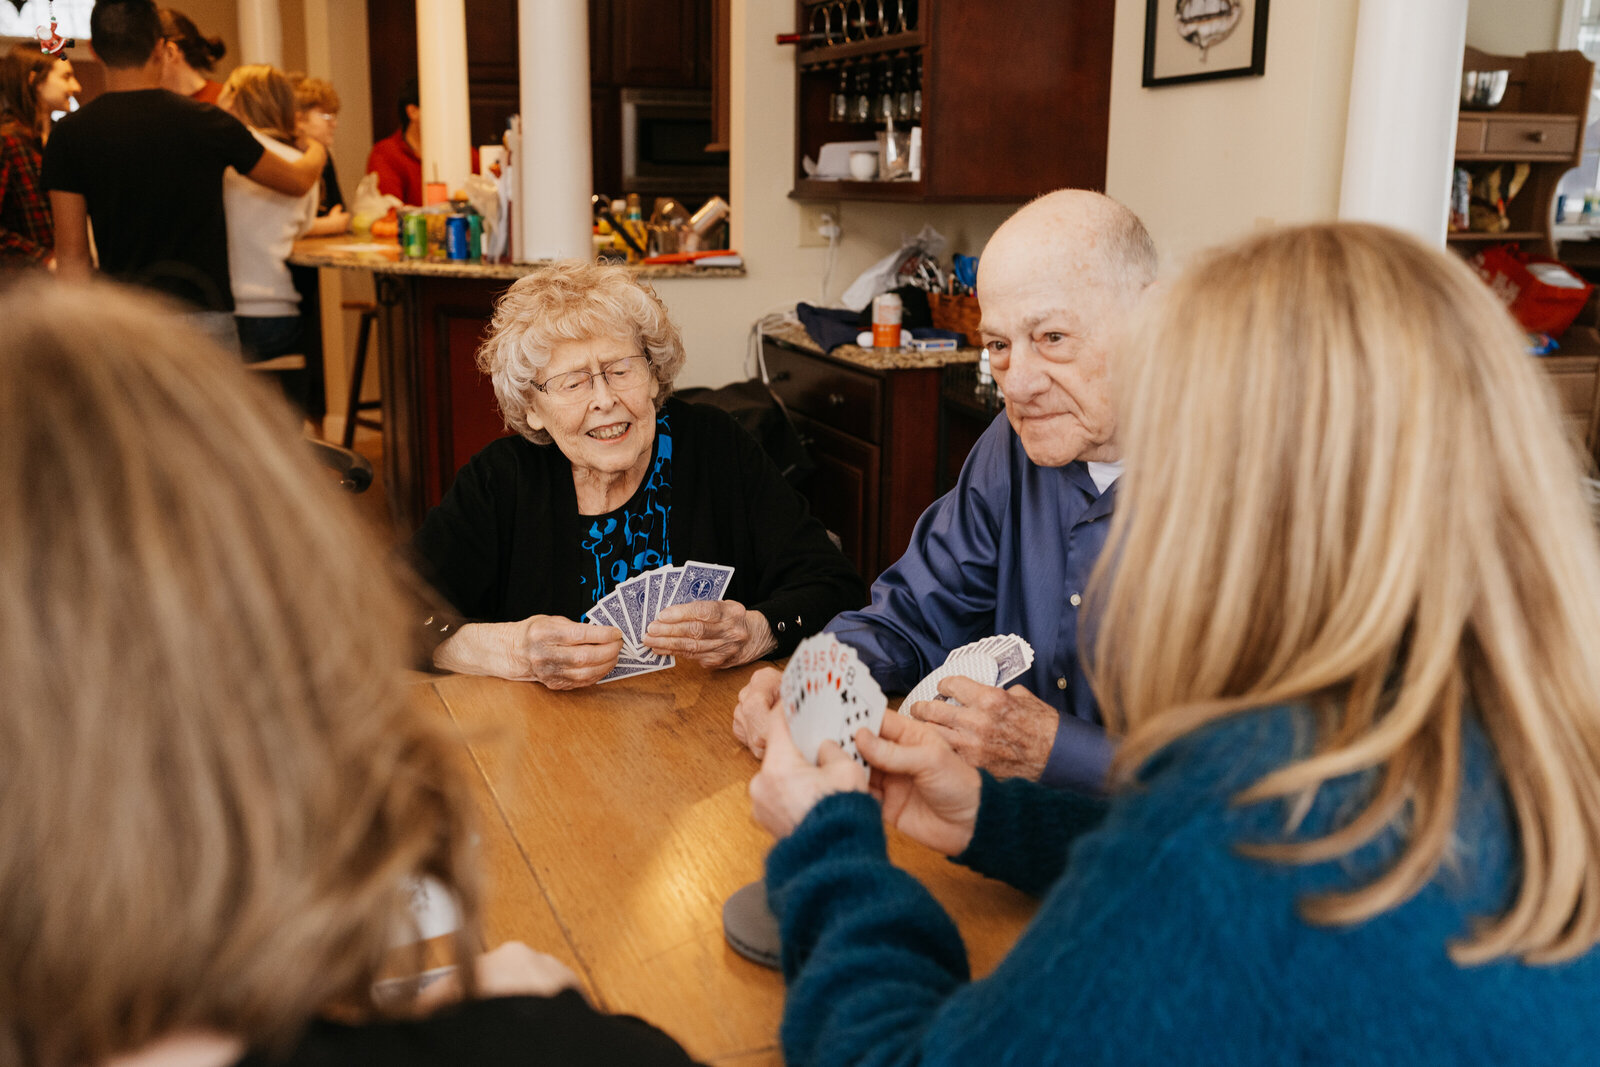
<point>608,477</point>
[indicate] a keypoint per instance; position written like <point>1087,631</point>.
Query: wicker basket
<point>956,313</point>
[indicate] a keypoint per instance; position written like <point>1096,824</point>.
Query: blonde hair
<point>572,301</point>
<point>213,787</point>
<point>314,93</point>
<point>1347,485</point>
<point>264,98</point>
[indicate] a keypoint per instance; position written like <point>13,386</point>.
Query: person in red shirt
<point>189,57</point>
<point>397,159</point>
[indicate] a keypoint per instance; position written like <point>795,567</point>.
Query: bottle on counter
<point>634,221</point>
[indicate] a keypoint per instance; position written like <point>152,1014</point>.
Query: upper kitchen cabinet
<point>659,43</point>
<point>1012,99</point>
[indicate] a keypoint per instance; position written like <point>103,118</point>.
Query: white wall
<point>1206,162</point>
<point>1512,27</point>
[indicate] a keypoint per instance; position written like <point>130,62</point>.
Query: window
<point>1580,29</point>
<point>72,18</point>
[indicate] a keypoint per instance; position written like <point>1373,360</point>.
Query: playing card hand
<point>713,633</point>
<point>1007,732</point>
<point>787,787</point>
<point>757,706</point>
<point>928,792</point>
<point>542,648</point>
<point>511,970</point>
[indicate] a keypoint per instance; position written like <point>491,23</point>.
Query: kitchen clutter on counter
<point>912,298</point>
<point>671,236</point>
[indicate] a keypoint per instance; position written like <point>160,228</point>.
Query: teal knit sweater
<point>1156,942</point>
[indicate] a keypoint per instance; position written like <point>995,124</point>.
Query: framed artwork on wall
<point>1202,40</point>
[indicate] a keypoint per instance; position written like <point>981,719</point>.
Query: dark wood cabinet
<point>873,435</point>
<point>660,43</point>
<point>632,43</point>
<point>1015,97</point>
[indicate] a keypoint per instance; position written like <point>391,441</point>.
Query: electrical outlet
<point>812,222</point>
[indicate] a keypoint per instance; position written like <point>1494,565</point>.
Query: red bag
<point>1543,295</point>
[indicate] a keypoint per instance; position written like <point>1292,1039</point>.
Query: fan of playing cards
<point>634,605</point>
<point>830,695</point>
<point>992,661</point>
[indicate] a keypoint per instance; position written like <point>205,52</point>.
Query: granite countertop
<point>794,335</point>
<point>383,257</point>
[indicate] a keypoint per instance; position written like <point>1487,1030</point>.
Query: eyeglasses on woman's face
<point>622,375</point>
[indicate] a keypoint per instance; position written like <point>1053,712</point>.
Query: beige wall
<point>1512,27</point>
<point>1203,163</point>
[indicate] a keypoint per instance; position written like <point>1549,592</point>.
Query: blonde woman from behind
<point>214,790</point>
<point>1349,646</point>
<point>263,225</point>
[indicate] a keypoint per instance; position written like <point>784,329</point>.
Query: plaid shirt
<point>27,232</point>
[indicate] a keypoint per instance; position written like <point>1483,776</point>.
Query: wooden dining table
<point>615,820</point>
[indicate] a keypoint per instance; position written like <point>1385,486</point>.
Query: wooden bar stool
<point>354,405</point>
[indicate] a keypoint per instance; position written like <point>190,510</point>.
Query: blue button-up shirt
<point>1008,550</point>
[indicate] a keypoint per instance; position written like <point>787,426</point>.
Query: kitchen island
<point>438,410</point>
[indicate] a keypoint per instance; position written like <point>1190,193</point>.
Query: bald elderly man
<point>1010,548</point>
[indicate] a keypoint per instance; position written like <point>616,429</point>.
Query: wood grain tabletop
<point>615,820</point>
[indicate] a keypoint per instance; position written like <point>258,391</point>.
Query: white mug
<point>863,166</point>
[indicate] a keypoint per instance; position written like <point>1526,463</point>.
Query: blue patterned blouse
<point>635,537</point>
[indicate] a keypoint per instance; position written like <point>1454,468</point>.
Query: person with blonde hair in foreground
<point>1348,646</point>
<point>214,790</point>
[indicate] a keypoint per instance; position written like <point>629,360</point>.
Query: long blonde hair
<point>1348,485</point>
<point>213,788</point>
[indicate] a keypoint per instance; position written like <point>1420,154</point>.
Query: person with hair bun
<point>608,476</point>
<point>216,791</point>
<point>189,57</point>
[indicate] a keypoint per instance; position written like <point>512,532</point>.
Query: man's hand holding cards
<point>993,661</point>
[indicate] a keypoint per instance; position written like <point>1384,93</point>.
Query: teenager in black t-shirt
<point>145,166</point>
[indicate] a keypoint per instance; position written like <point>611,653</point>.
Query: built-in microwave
<point>664,138</point>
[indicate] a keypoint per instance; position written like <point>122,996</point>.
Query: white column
<point>260,32</point>
<point>1399,143</point>
<point>555,178</point>
<point>442,91</point>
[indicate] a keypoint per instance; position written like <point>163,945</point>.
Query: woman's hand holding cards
<point>713,633</point>
<point>788,786</point>
<point>929,793</point>
<point>542,648</point>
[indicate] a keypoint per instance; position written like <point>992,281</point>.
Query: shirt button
<point>1074,600</point>
<point>1061,683</point>
<point>780,627</point>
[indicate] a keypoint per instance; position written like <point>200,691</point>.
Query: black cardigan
<point>504,542</point>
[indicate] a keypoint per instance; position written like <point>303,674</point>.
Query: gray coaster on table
<point>750,926</point>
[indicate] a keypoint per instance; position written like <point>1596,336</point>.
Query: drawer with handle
<point>845,399</point>
<point>1531,136</point>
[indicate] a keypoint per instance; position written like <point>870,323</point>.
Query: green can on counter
<point>414,235</point>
